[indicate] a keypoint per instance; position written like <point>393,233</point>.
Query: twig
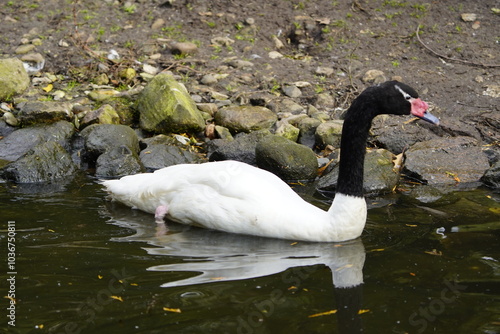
<point>467,62</point>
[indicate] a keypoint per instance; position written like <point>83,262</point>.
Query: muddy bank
<point>246,70</point>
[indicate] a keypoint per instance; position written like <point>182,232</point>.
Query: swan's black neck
<point>355,131</point>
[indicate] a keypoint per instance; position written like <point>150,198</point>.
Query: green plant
<point>129,9</point>
<point>211,24</point>
<point>395,63</point>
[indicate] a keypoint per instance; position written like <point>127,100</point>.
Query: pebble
<point>324,71</point>
<point>275,55</point>
<point>150,69</point>
<point>184,48</point>
<point>157,24</point>
<point>63,43</point>
<point>208,79</point>
<point>278,44</point>
<point>10,119</point>
<point>58,95</point>
<point>23,49</point>
<point>33,62</point>
<point>292,91</point>
<point>238,63</point>
<point>222,41</point>
<point>469,17</point>
<point>373,75</point>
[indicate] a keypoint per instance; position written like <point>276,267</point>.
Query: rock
<point>245,118</point>
<point>33,63</point>
<point>48,161</point>
<point>128,74</point>
<point>492,90</point>
<point>100,138</point>
<point>222,41</point>
<point>223,133</point>
<point>286,105</point>
<point>184,48</point>
<point>274,55</point>
<point>118,161</point>
<point>307,127</point>
<point>292,91</point>
<point>13,78</point>
<point>278,44</point>
<point>10,119</point>
<point>492,176</point>
<point>166,107</point>
<point>44,112</point>
<point>238,63</point>
<point>157,156</point>
<point>468,17</point>
<point>24,49</point>
<point>157,24</point>
<point>208,79</point>
<point>19,142</point>
<point>374,76</point>
<point>392,134</point>
<point>286,159</point>
<point>325,100</point>
<point>288,131</point>
<point>106,114</point>
<point>324,71</point>
<point>378,175</point>
<point>101,95</point>
<point>209,108</point>
<point>329,133</point>
<point>5,128</point>
<point>242,148</point>
<point>442,161</point>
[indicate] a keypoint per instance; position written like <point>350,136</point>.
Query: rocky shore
<point>136,117</point>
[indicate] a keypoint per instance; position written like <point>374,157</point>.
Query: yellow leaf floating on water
<point>48,88</point>
<point>174,310</point>
<point>134,284</point>
<point>117,298</point>
<point>363,311</point>
<point>434,252</point>
<point>322,314</point>
<point>378,250</point>
<point>411,225</point>
<point>100,276</point>
<point>495,210</point>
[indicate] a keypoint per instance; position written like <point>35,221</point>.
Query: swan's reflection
<point>224,256</point>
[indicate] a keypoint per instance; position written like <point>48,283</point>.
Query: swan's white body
<point>235,197</point>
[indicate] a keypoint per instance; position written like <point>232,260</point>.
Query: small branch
<point>449,58</point>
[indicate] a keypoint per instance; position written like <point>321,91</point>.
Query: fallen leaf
<point>10,298</point>
<point>363,311</point>
<point>293,287</point>
<point>48,88</point>
<point>50,230</point>
<point>410,225</point>
<point>117,298</point>
<point>100,276</point>
<point>174,310</point>
<point>293,243</point>
<point>322,314</point>
<point>217,278</point>
<point>134,284</point>
<point>378,250</point>
<point>434,252</point>
<point>413,274</point>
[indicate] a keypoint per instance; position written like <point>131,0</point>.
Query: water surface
<point>84,265</point>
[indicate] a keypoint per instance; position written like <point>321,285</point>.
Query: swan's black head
<point>397,98</point>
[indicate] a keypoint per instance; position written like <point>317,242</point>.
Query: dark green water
<point>84,265</point>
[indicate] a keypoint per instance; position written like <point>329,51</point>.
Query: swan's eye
<point>408,97</point>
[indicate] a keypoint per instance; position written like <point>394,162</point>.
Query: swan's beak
<point>419,109</point>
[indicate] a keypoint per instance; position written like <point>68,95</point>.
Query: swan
<point>235,197</point>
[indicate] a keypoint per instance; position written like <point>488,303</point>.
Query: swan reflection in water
<point>221,257</point>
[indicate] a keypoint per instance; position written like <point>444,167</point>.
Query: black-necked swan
<point>235,197</point>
